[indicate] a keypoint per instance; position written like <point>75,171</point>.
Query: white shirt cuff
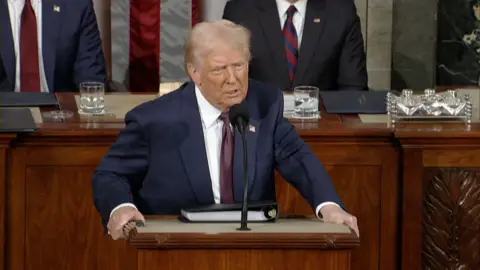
<point>122,205</point>
<point>317,210</point>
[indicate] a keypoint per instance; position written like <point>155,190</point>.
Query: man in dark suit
<point>50,46</point>
<point>300,42</point>
<point>179,151</point>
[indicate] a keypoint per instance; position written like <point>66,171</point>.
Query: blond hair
<point>206,35</point>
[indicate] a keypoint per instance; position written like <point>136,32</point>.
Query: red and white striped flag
<point>147,41</point>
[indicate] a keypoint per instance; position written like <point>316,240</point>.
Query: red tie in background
<point>226,161</point>
<point>291,42</point>
<point>29,63</point>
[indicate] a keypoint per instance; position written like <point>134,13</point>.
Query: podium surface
<point>299,243</point>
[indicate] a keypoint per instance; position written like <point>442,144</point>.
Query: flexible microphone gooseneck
<point>239,118</point>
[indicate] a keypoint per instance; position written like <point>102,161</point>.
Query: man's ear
<point>194,74</point>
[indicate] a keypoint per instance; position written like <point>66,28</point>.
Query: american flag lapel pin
<point>56,8</point>
<point>316,20</point>
<point>251,128</point>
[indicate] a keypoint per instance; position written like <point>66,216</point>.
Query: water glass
<point>92,98</point>
<point>306,102</point>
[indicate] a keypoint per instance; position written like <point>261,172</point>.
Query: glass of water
<point>306,102</point>
<point>92,98</point>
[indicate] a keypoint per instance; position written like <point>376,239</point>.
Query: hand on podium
<point>122,221</point>
<point>335,214</point>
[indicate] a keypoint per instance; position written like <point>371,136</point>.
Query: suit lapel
<point>193,151</point>
<point>312,30</point>
<point>51,20</point>
<point>6,42</point>
<point>251,135</point>
<point>270,24</point>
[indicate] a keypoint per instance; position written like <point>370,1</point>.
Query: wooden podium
<point>293,243</point>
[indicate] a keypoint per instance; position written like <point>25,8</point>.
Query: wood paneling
<point>451,219</point>
<point>53,223</point>
<point>4,143</point>
<point>243,260</point>
<point>60,214</point>
<point>363,177</point>
<point>451,157</point>
<point>440,215</point>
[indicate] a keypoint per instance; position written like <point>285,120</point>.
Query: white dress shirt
<point>212,131</point>
<point>298,17</point>
<point>15,8</point>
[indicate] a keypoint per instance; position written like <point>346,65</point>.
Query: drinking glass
<point>306,102</point>
<point>92,98</point>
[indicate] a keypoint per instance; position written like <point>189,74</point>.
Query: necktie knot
<point>291,11</point>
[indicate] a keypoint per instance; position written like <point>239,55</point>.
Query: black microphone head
<point>238,114</point>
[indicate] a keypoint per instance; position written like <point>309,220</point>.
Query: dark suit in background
<point>71,45</point>
<point>159,160</point>
<point>3,77</point>
<point>331,55</point>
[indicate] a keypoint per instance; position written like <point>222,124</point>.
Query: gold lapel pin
<point>56,8</point>
<point>316,20</point>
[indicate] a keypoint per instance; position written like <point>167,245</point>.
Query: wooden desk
<point>52,224</point>
<point>294,243</point>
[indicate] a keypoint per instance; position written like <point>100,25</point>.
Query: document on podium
<point>257,212</point>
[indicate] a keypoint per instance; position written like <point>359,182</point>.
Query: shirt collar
<point>208,113</point>
<point>283,5</point>
<point>34,2</point>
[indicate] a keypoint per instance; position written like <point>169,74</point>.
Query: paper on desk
<point>167,87</point>
<point>373,118</point>
<point>280,226</point>
<point>119,104</point>
<point>36,114</point>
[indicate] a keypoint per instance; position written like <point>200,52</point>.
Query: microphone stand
<point>243,223</point>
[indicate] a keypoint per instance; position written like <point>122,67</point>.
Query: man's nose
<point>231,75</point>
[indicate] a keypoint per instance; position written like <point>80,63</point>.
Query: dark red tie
<point>226,161</point>
<point>291,42</point>
<point>29,63</point>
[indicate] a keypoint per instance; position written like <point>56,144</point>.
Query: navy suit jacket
<point>71,44</point>
<point>331,56</point>
<point>159,160</point>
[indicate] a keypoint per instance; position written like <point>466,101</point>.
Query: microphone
<point>239,117</point>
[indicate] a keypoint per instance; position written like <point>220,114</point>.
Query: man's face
<point>223,77</point>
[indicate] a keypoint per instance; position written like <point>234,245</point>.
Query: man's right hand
<point>119,218</point>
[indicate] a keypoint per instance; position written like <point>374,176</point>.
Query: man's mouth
<point>233,93</point>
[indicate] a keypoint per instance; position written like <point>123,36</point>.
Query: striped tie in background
<point>291,42</point>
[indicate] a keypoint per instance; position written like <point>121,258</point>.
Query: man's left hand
<point>335,214</point>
